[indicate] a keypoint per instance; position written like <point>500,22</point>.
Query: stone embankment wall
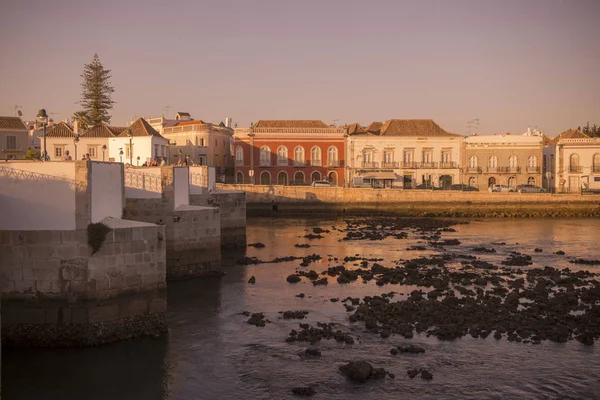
<point>297,199</point>
<point>232,209</point>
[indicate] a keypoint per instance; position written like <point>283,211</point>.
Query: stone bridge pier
<point>73,272</point>
<point>161,195</point>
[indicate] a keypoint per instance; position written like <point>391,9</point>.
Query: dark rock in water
<point>560,253</point>
<point>246,313</point>
<point>361,371</point>
<point>322,281</point>
<point>249,261</point>
<point>312,236</point>
<point>446,242</point>
<point>538,250</point>
<point>304,391</point>
<point>301,295</point>
<point>412,372</point>
<point>416,248</point>
<point>394,351</point>
<point>426,375</point>
<point>294,314</point>
<point>385,333</point>
<point>302,246</point>
<point>482,249</point>
<point>252,279</point>
<point>311,351</point>
<point>257,319</point>
<point>258,245</point>
<point>584,261</point>
<point>349,308</point>
<point>320,230</point>
<point>411,349</point>
<point>293,278</point>
<point>334,300</point>
<point>518,260</point>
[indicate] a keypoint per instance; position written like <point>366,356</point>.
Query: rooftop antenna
<point>166,110</point>
<point>473,124</point>
<point>17,111</point>
<point>335,121</point>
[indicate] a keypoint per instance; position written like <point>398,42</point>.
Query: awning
<point>380,175</point>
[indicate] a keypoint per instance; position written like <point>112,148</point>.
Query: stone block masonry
<point>56,293</point>
<point>232,209</point>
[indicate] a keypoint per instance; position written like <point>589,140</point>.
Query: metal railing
<point>410,164</point>
<point>143,181</point>
<point>449,164</point>
<point>533,169</point>
<point>575,169</point>
<point>335,163</point>
<point>283,163</point>
<point>392,164</point>
<point>299,163</point>
<point>370,165</point>
<point>19,174</point>
<point>198,179</point>
<point>474,170</point>
<point>239,163</point>
<point>428,165</point>
<point>595,168</point>
<point>316,163</point>
<point>504,170</point>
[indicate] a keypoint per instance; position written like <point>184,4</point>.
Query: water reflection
<point>211,353</point>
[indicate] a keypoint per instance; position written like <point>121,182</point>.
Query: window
<point>11,143</point>
<point>282,156</point>
<point>265,178</point>
<point>332,178</point>
<point>407,156</point>
<point>532,162</point>
<point>162,150</point>
<point>472,181</point>
<point>315,156</point>
<point>58,151</point>
<point>368,157</point>
<point>493,162</point>
<point>92,151</point>
<point>299,178</point>
<point>544,163</point>
<point>512,182</point>
<point>127,151</point>
<point>512,161</point>
<point>531,180</point>
<point>596,163</point>
<point>473,162</point>
<point>155,150</point>
<point>299,157</point>
<point>446,156</point>
<point>265,157</point>
<point>216,142</point>
<point>316,176</point>
<point>427,156</point>
<point>282,178</point>
<point>239,178</point>
<point>332,156</point>
<point>239,156</point>
<point>202,142</point>
<point>388,157</point>
<point>574,160</point>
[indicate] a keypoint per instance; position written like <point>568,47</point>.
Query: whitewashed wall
<point>181,186</point>
<point>211,179</point>
<point>41,197</point>
<point>143,183</point>
<point>107,190</point>
<point>199,179</point>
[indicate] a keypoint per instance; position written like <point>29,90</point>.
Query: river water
<point>211,353</point>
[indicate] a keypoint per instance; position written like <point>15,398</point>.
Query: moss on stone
<point>96,235</point>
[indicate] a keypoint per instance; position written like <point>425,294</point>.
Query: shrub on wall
<point>96,235</point>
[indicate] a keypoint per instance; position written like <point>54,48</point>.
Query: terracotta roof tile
<point>413,127</point>
<point>284,123</point>
<point>192,122</point>
<point>356,129</point>
<point>12,123</point>
<point>102,130</point>
<point>61,130</point>
<point>570,134</point>
<point>140,128</point>
<point>374,127</point>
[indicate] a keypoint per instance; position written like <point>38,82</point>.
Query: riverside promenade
<point>263,199</point>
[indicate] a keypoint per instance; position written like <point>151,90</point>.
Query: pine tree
<point>96,94</point>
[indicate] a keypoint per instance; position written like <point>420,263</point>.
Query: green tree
<point>32,154</point>
<point>96,93</point>
<point>82,119</point>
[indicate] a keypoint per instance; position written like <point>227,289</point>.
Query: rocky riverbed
<point>376,309</point>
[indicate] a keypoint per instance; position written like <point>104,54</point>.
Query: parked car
<point>500,188</point>
<point>426,186</point>
<point>463,187</point>
<point>530,189</point>
<point>322,184</point>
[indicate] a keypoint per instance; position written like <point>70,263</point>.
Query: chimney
<point>76,127</point>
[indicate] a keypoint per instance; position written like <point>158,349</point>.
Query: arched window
<point>574,164</point>
<point>332,178</point>
<point>492,163</point>
<point>512,182</point>
<point>491,181</point>
<point>473,162</point>
<point>472,181</point>
<point>299,159</point>
<point>315,156</point>
<point>596,163</point>
<point>239,178</point>
<point>265,157</point>
<point>239,156</point>
<point>332,156</point>
<point>265,178</point>
<point>316,176</point>
<point>532,162</point>
<point>282,156</point>
<point>282,178</point>
<point>299,178</point>
<point>512,161</point>
<point>531,180</point>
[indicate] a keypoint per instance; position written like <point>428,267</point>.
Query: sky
<point>510,64</point>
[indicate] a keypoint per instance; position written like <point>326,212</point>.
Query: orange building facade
<point>289,152</point>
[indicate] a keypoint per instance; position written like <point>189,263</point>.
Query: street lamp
<point>75,141</point>
<point>103,151</point>
<point>121,154</point>
<point>43,116</point>
<point>130,134</point>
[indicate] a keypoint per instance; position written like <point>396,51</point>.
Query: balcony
<point>239,163</point>
<point>264,163</point>
<point>428,165</point>
<point>283,163</point>
<point>316,163</point>
<point>299,163</point>
<point>533,170</point>
<point>575,169</point>
<point>370,165</point>
<point>474,170</point>
<point>504,170</point>
<point>335,163</point>
<point>450,164</point>
<point>596,168</point>
<point>409,164</point>
<point>393,164</point>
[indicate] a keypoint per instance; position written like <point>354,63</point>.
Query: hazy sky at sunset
<point>510,63</point>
